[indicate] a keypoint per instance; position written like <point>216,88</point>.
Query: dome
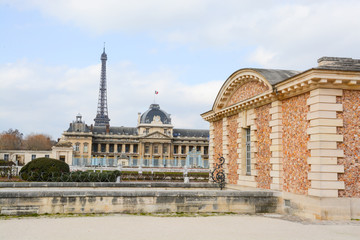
<point>155,114</point>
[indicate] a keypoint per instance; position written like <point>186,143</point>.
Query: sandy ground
<point>150,227</point>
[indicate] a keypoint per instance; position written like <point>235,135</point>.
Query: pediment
<point>157,135</point>
<point>241,85</point>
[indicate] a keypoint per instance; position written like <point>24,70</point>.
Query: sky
<point>50,54</point>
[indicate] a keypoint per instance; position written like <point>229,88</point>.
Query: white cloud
<point>298,32</point>
<point>38,98</point>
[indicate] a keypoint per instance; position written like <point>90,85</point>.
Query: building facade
<point>154,142</point>
<point>293,132</point>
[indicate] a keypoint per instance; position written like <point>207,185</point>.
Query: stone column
<point>225,147</point>
<point>211,146</point>
<point>115,148</point>
<point>323,142</point>
<point>276,145</point>
<point>107,148</point>
<point>131,150</point>
<point>99,147</point>
<point>123,147</point>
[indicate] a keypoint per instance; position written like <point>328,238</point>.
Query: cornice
<point>301,83</point>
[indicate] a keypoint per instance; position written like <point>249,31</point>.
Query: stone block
<point>275,173</point>
<point>326,91</point>
<point>326,107</point>
<point>327,153</point>
<point>321,114</point>
<point>322,176</point>
<point>275,135</point>
<point>276,167</point>
<point>322,160</point>
<point>277,109</point>
<point>276,116</point>
<point>322,145</point>
<point>276,104</point>
<point>321,129</point>
<point>277,128</point>
<point>274,148</point>
<point>323,192</point>
<point>275,186</point>
<point>326,122</point>
<point>276,154</point>
<point>327,168</point>
<point>321,99</point>
<point>275,160</point>
<point>276,122</point>
<point>276,141</point>
<point>327,184</point>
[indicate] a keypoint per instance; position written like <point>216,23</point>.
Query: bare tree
<point>11,140</point>
<point>38,142</point>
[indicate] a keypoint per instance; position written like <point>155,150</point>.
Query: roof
<point>154,110</point>
<point>190,133</point>
<point>274,76</point>
<point>338,63</point>
<point>115,130</point>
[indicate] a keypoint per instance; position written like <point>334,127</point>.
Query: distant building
<point>154,142</point>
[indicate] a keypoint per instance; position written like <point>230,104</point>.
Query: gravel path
<point>150,227</point>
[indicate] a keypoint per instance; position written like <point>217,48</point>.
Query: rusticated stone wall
<point>263,154</point>
<point>295,140</point>
<point>247,90</point>
<point>232,148</point>
<point>351,143</point>
<point>218,139</point>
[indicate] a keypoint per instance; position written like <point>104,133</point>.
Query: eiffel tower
<point>102,117</point>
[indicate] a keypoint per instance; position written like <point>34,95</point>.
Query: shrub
<point>6,163</point>
<point>43,169</point>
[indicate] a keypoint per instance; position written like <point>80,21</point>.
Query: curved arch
<point>235,82</point>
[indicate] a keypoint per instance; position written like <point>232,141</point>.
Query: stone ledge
<point>105,185</point>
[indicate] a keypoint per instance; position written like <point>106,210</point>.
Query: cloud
<point>39,98</point>
<point>298,32</point>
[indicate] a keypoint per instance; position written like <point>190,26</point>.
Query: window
<point>111,148</point>
<point>248,152</point>
<point>6,157</point>
<point>147,148</point>
<point>76,147</point>
<point>119,148</point>
<point>127,148</point>
<point>183,149</point>
<point>156,149</point>
<point>103,147</point>
<point>85,148</point>
<point>165,149</point>
<point>206,150</point>
<point>147,130</point>
<point>33,157</point>
<point>135,148</point>
<point>175,149</point>
<point>198,148</point>
<point>95,147</point>
<point>47,156</point>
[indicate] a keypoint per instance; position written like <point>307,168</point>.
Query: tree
<point>11,140</point>
<point>38,142</point>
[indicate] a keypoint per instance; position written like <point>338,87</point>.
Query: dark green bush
<point>43,169</point>
<point>6,163</point>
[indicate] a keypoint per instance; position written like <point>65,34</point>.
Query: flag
<point>156,92</point>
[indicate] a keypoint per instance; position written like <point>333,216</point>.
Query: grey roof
<point>275,76</point>
<point>339,63</point>
<point>190,133</point>
<point>72,128</point>
<point>154,110</point>
<point>116,130</point>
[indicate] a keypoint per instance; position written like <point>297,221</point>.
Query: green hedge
<point>43,168</point>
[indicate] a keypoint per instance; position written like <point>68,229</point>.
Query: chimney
<point>107,128</point>
<point>338,62</point>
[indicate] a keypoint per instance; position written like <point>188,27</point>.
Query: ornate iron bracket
<point>218,174</point>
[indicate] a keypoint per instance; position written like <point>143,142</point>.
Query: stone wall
<point>247,90</point>
<point>263,154</point>
<point>295,140</point>
<point>233,155</point>
<point>218,140</point>
<point>351,143</point>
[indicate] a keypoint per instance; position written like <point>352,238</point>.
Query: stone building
<point>294,132</point>
<point>154,142</point>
